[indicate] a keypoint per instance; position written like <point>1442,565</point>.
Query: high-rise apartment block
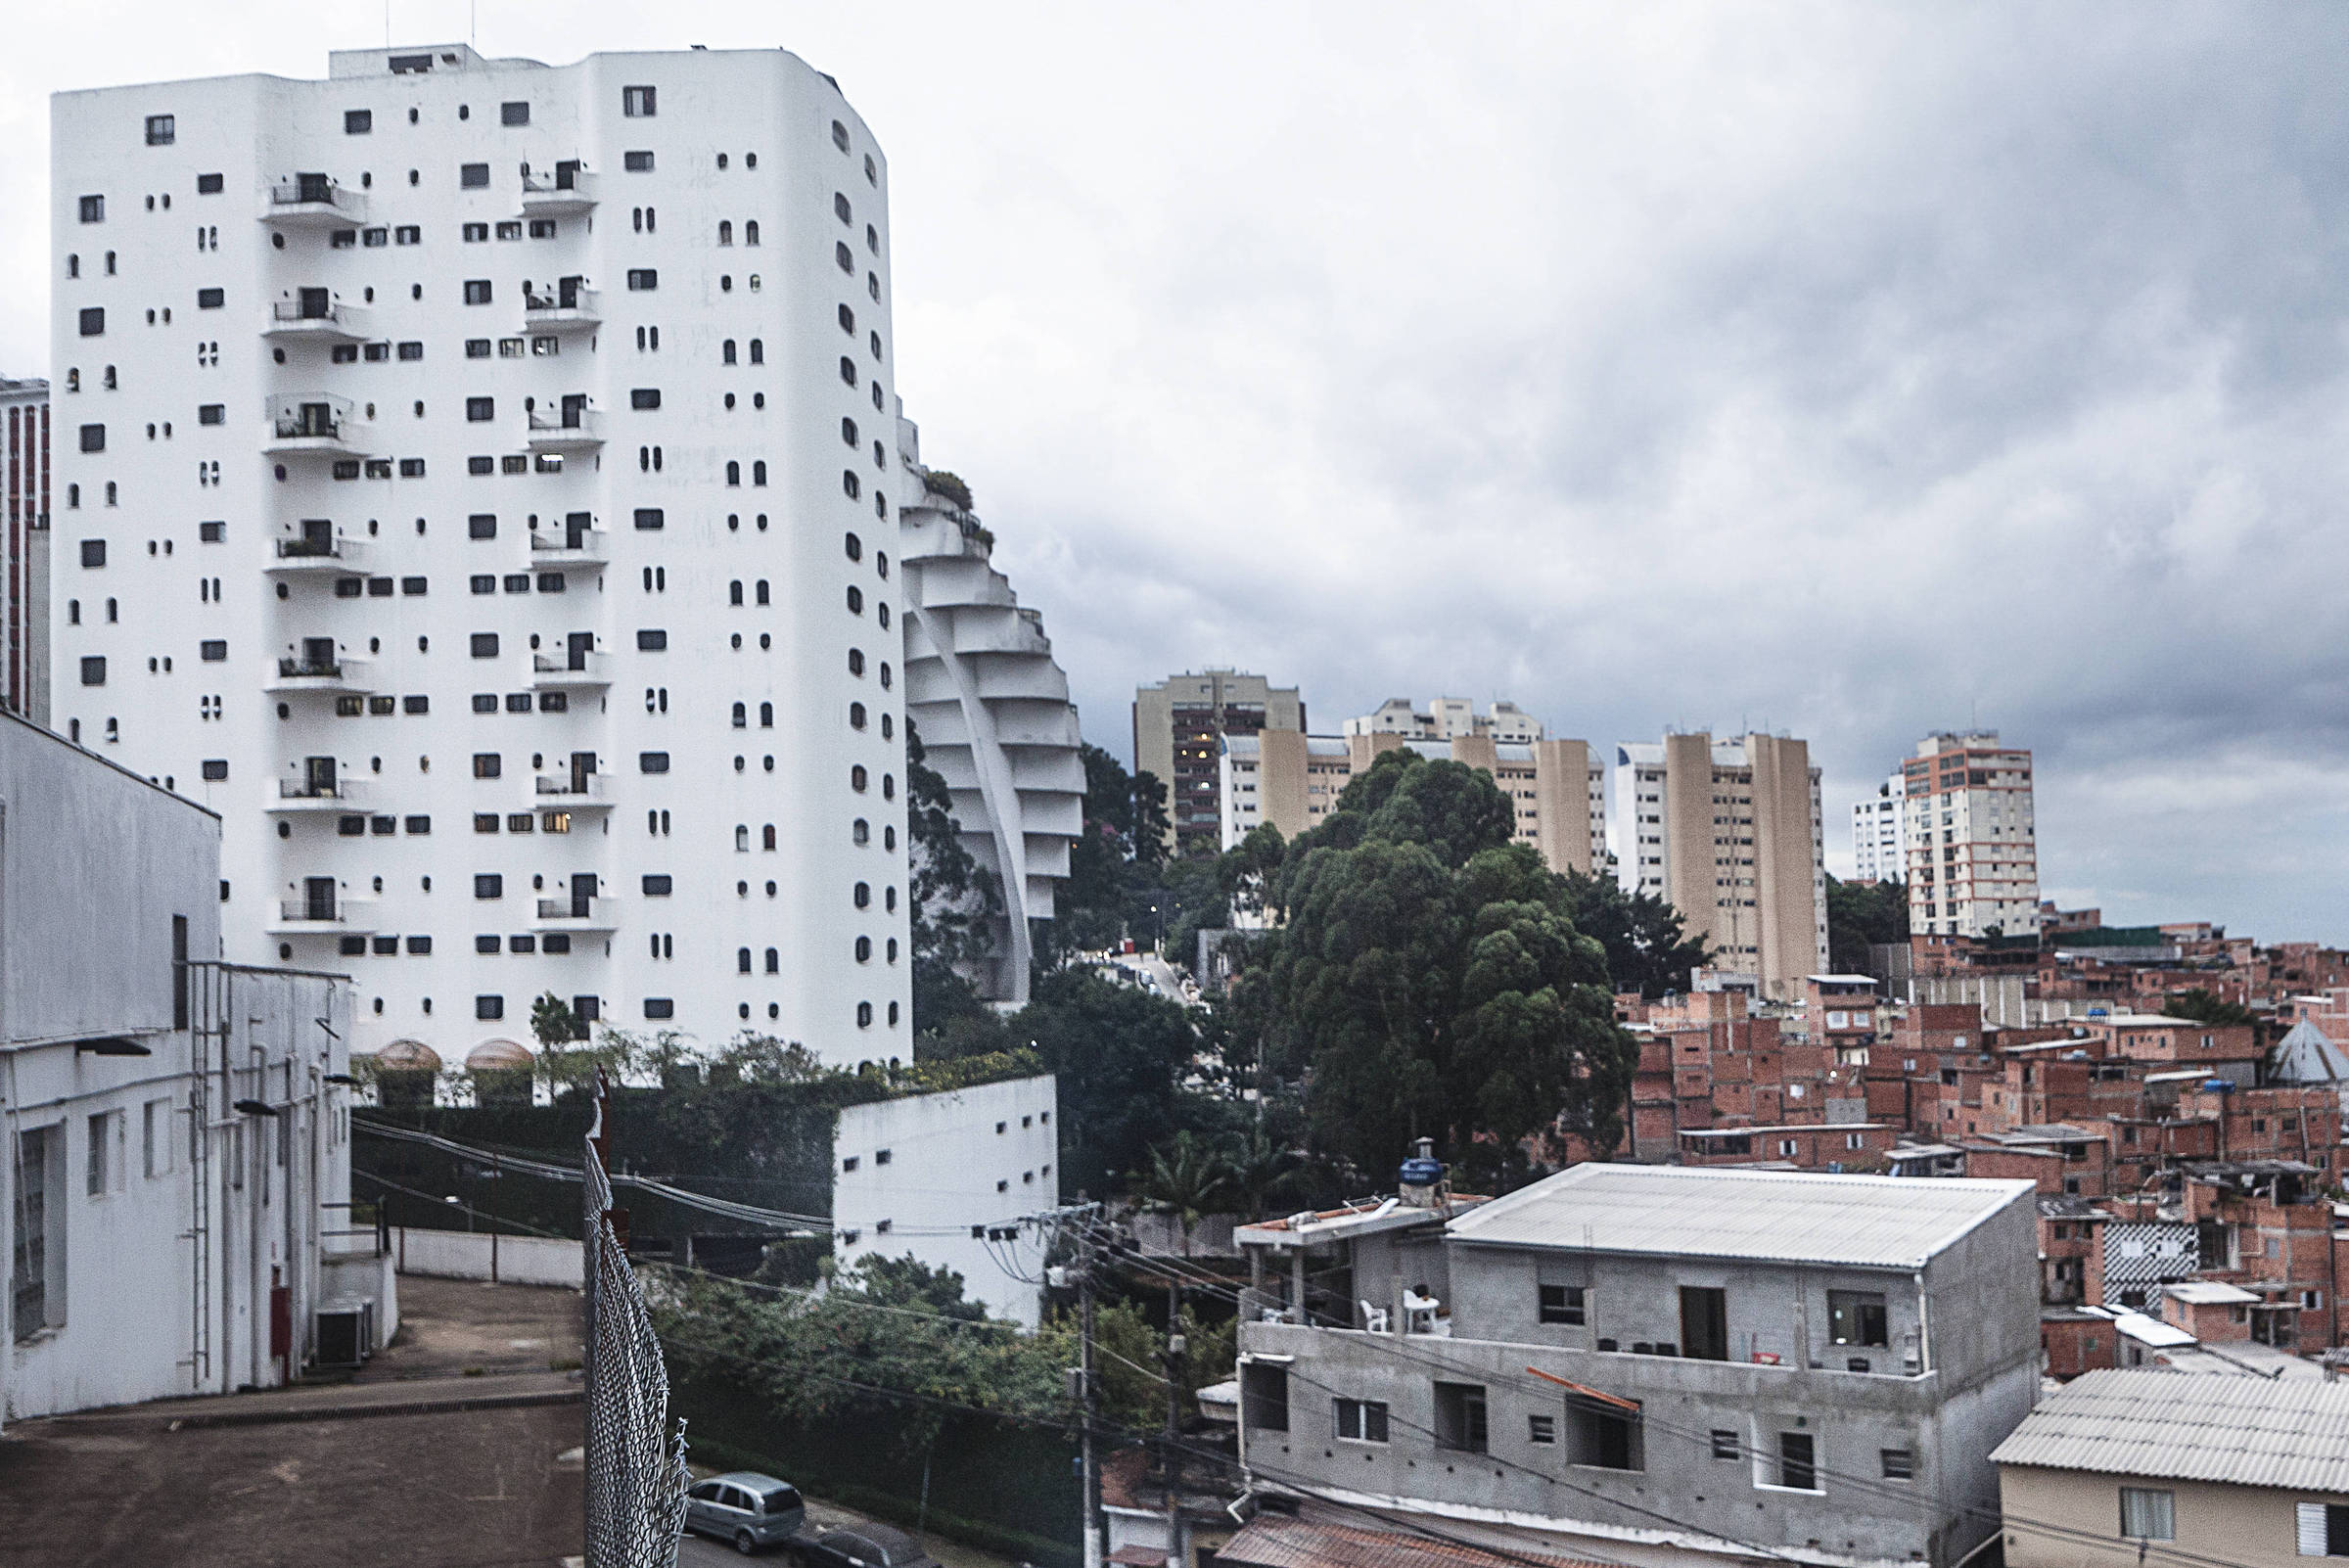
<point>24,548</point>
<point>1557,788</point>
<point>1972,849</point>
<point>1178,729</point>
<point>474,486</point>
<point>1449,718</point>
<point>1729,834</point>
<point>1880,833</point>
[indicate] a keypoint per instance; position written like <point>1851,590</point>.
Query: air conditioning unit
<point>346,1332</point>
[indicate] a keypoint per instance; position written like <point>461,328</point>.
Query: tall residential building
<point>1293,780</point>
<point>1973,849</point>
<point>1178,730</point>
<point>1447,719</point>
<point>992,709</point>
<point>507,566</point>
<point>1880,833</point>
<point>1729,833</point>
<point>24,548</point>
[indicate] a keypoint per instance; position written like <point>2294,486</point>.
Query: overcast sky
<point>1845,371</point>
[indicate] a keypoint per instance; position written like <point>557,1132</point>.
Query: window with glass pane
<point>2147,1514</point>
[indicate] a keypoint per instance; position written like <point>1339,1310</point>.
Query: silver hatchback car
<point>743,1506</point>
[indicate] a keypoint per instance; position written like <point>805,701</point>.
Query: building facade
<point>1816,1366</point>
<point>1179,728</point>
<point>2122,1467</point>
<point>178,1145</point>
<point>1972,846</point>
<point>1730,834</point>
<point>1880,833</point>
<point>1447,719</point>
<point>992,709</point>
<point>503,549</point>
<point>24,548</point>
<point>1292,780</point>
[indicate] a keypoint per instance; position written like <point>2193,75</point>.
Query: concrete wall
<point>478,1254</point>
<point>929,1166</point>
<point>2249,1526</point>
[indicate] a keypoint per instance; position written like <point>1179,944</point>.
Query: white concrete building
<point>1879,834</point>
<point>474,487</point>
<point>1971,837</point>
<point>931,1174</point>
<point>177,1129</point>
<point>1449,718</point>
<point>992,709</point>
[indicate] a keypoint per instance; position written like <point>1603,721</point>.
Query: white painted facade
<point>485,499</point>
<point>1880,833</point>
<point>929,1173</point>
<point>1971,836</point>
<point>175,1145</point>
<point>1447,719</point>
<point>24,548</point>
<point>992,708</point>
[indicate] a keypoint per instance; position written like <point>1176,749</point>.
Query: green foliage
<point>1120,1055</point>
<point>1649,950</point>
<point>2207,1007</point>
<point>1431,979</point>
<point>1862,915</point>
<point>1186,1179</point>
<point>952,902</point>
<point>1114,864</point>
<point>553,1022</point>
<point>950,484</point>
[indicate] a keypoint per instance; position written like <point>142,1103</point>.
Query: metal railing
<point>324,912</point>
<point>290,669</point>
<point>308,789</point>
<point>570,909</point>
<point>318,190</point>
<point>332,549</point>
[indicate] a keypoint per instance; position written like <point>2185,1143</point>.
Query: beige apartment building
<point>1972,848</point>
<point>1293,780</point>
<point>1449,718</point>
<point>1179,728</point>
<point>1729,833</point>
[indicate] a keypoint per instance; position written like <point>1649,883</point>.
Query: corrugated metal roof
<point>1864,1221</point>
<point>2249,1431</point>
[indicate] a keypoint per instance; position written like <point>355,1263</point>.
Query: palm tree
<point>1185,1179</point>
<point>1261,1167</point>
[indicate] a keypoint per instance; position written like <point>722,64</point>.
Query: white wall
<point>963,1158</point>
<point>471,1255</point>
<point>407,886</point>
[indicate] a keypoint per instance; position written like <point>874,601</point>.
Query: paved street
<point>699,1551</point>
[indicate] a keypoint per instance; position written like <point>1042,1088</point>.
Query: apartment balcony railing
<point>596,914</point>
<point>339,914</point>
<point>335,552</point>
<point>558,671</point>
<point>341,674</point>
<point>566,430</point>
<point>570,302</point>
<point>560,546</point>
<point>329,320</point>
<point>300,794</point>
<point>314,422</point>
<point>568,187</point>
<point>313,200</point>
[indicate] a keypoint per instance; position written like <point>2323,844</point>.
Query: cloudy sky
<point>1842,370</point>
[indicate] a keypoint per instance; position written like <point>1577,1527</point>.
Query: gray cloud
<point>1846,369</point>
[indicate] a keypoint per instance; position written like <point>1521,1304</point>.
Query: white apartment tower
<point>1879,833</point>
<point>472,483</point>
<point>1972,844</point>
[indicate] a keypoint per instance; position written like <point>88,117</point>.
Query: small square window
<point>488,764</point>
<point>642,279</point>
<point>648,518</point>
<point>211,533</point>
<point>480,410</point>
<point>477,291</point>
<point>215,769</point>
<point>637,103</point>
<point>411,351</point>
<point>650,640</point>
<point>509,229</point>
<point>407,234</point>
<point>489,1007</point>
<point>476,233</point>
<point>659,885</point>
<point>1541,1429</point>
<point>93,209</point>
<point>638,163</point>
<point>644,397</point>
<point>161,130</point>
<point>375,353</point>
<point>92,320</point>
<point>93,552</point>
<point>485,644</point>
<point>474,176</point>
<point>1899,1465</point>
<point>513,114</point>
<point>209,184</point>
<point>418,947</point>
<point>489,885</point>
<point>93,438</point>
<point>211,299</point>
<point>661,1007</point>
<point>517,701</point>
<point>211,414</point>
<point>1726,1444</point>
<point>652,762</point>
<point>358,122</point>
<point>482,526</point>
<point>214,650</point>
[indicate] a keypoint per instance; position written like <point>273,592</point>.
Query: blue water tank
<point>1422,1173</point>
<point>2218,1086</point>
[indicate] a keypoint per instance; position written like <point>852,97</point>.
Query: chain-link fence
<point>635,1461</point>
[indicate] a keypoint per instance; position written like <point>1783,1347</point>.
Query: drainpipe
<point>1924,1332</point>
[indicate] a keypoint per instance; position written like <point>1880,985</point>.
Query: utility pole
<point>1176,1348</point>
<point>1092,1408</point>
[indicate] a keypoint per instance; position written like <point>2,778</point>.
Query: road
<point>700,1551</point>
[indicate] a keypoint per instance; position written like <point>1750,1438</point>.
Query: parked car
<point>749,1510</point>
<point>868,1545</point>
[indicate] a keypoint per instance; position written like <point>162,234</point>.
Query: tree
<point>1649,950</point>
<point>1261,1167</point>
<point>2207,1007</point>
<point>1114,864</point>
<point>1120,1056</point>
<point>553,1022</point>
<point>1862,915</point>
<point>952,902</point>
<point>1431,979</point>
<point>1185,1179</point>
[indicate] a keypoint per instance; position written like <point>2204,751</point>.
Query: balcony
<point>570,546</point>
<point>571,671</point>
<point>339,916</point>
<point>318,317</point>
<point>305,794</point>
<point>591,915</point>
<point>570,429</point>
<point>338,675</point>
<point>571,305</point>
<point>317,551</point>
<point>314,422</point>
<point>568,187</point>
<point>313,201</point>
<point>575,792</point>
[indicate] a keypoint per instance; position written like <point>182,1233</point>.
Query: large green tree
<point>1649,951</point>
<point>1113,865</point>
<point>952,902</point>
<point>1862,915</point>
<point>1432,981</point>
<point>1120,1056</point>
